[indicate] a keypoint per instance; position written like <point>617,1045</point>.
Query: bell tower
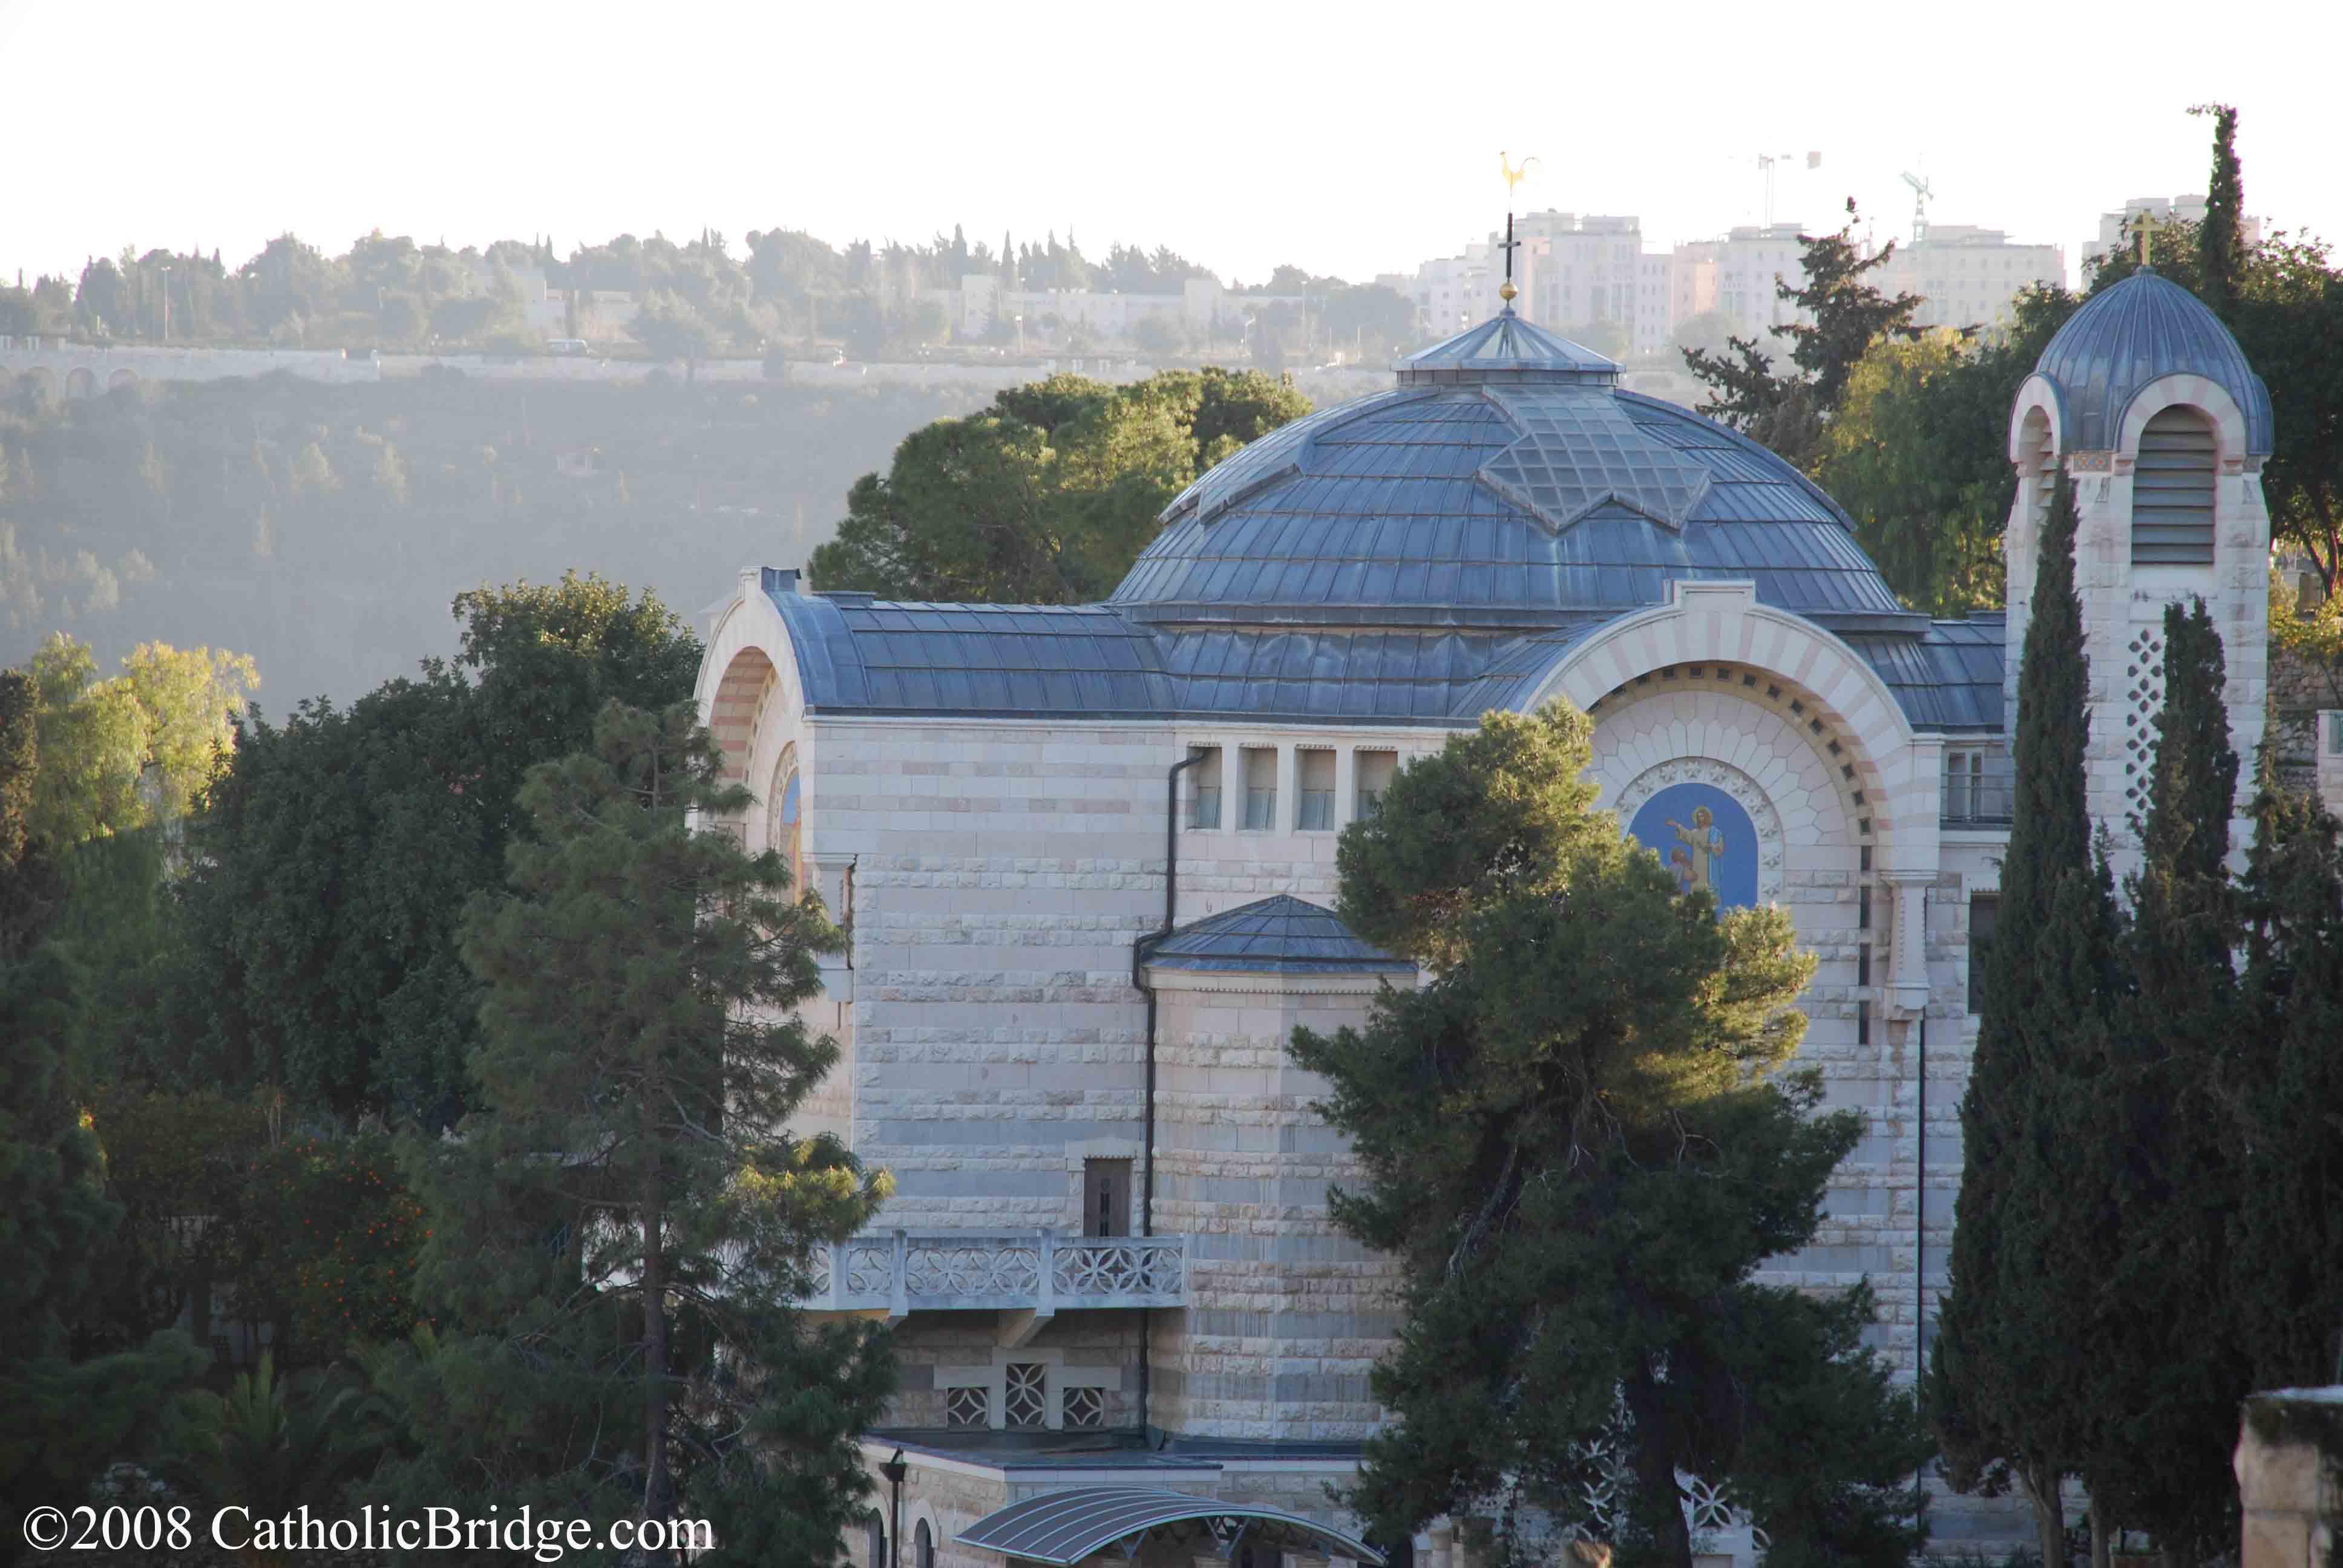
<point>2145,400</point>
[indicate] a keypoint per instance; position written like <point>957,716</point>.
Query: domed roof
<point>1507,482</point>
<point>2134,333</point>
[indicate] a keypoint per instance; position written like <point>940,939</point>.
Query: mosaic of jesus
<point>1704,836</point>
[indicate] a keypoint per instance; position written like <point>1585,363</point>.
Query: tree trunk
<point>654,1339</point>
<point>2102,1549</point>
<point>1656,1472</point>
<point>2049,1514</point>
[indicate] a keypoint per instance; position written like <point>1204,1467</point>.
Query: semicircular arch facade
<point>1715,636</point>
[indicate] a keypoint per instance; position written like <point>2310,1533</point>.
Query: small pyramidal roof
<point>1277,935</point>
<point>1507,347</point>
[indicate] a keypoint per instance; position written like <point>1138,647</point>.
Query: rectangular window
<point>1106,1196</point>
<point>1863,908</point>
<point>1863,965</point>
<point>1985,910</point>
<point>1862,1022</point>
<point>1260,788</point>
<point>1205,787</point>
<point>1315,809</point>
<point>2335,735</point>
<point>1376,770</point>
<point>1957,786</point>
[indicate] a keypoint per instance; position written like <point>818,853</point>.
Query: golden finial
<point>1514,175</point>
<point>1506,291</point>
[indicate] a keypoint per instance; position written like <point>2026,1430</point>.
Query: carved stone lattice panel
<point>1115,1267</point>
<point>1742,788</point>
<point>869,1269</point>
<point>968,1407</point>
<point>818,1267</point>
<point>980,1268</point>
<point>1607,1486</point>
<point>2142,701</point>
<point>1026,1403</point>
<point>1085,1407</point>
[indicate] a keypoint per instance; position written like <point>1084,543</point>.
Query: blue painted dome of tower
<point>2134,333</point>
<point>1507,481</point>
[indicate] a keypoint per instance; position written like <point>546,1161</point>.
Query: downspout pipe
<point>1139,950</point>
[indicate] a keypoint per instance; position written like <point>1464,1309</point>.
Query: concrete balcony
<point>1035,1275</point>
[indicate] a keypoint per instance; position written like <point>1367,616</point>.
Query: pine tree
<point>2010,1398</point>
<point>618,1238</point>
<point>1580,1142</point>
<point>2220,253</point>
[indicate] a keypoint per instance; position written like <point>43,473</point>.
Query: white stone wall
<point>1285,1316</point>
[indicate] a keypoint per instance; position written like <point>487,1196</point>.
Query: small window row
<point>1253,782</point>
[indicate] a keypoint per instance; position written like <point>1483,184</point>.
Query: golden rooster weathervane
<point>1514,175</point>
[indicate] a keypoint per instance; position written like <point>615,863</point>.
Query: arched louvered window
<point>2172,490</point>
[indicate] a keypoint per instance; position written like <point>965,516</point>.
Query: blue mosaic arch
<point>1705,837</point>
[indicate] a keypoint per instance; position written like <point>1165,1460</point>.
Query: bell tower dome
<point>2145,401</point>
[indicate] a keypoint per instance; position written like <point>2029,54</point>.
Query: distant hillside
<point>323,530</point>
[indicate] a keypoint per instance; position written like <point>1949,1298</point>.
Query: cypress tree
<point>2280,1083</point>
<point>2168,1390</point>
<point>2010,1398</point>
<point>2218,252</point>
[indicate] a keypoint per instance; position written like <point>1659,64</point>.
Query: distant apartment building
<point>1449,292</point>
<point>1574,270</point>
<point>1966,276</point>
<point>1749,261</point>
<point>2113,226</point>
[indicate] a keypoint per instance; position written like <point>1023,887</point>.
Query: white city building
<point>1965,276</point>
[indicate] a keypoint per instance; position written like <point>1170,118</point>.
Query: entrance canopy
<point>1065,1528</point>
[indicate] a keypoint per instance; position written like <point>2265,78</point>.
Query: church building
<point>1086,858</point>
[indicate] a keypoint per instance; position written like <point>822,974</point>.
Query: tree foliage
<point>68,1415</point>
<point>1839,317</point>
<point>1048,496</point>
<point>1918,453</point>
<point>1580,1143</point>
<point>619,1235</point>
<point>2009,1399</point>
<point>340,846</point>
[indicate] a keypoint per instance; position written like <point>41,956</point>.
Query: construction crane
<point>1921,192</point>
<point>1766,161</point>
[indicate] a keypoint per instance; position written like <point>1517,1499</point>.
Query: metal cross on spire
<point>1514,175</point>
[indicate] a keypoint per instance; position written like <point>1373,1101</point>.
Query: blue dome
<point>1507,482</point>
<point>2133,334</point>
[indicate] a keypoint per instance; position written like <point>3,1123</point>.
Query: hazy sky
<point>1348,139</point>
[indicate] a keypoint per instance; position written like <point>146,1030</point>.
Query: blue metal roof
<point>1065,1528</point>
<point>2134,333</point>
<point>1509,506</point>
<point>1949,680</point>
<point>860,655</point>
<point>1506,343</point>
<point>1277,935</point>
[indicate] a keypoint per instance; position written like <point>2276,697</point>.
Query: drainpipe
<point>1139,950</point>
<point>1920,1225</point>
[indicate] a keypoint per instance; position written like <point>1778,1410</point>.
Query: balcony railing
<point>1041,1274</point>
